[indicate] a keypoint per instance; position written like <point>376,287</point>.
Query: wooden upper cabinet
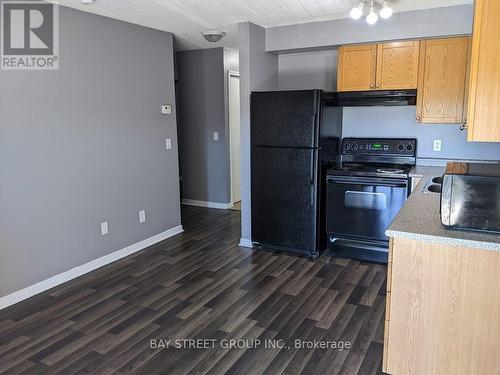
<point>356,67</point>
<point>484,90</point>
<point>383,66</point>
<point>397,65</point>
<point>442,80</point>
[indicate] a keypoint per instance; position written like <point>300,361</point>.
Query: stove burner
<point>390,170</point>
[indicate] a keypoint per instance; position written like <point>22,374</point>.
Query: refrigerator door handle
<point>313,175</point>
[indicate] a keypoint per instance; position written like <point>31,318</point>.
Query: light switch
<point>142,216</point>
<point>168,143</point>
<point>104,228</point>
<point>216,136</point>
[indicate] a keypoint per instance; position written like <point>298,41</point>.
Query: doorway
<point>234,136</point>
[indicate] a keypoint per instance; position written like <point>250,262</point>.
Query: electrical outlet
<point>437,145</point>
<point>166,109</point>
<point>168,143</point>
<point>104,228</point>
<point>142,216</point>
<point>216,136</point>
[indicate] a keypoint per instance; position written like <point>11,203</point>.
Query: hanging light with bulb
<point>386,11</point>
<point>357,12</point>
<point>372,16</point>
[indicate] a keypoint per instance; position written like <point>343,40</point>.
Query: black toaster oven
<point>470,196</point>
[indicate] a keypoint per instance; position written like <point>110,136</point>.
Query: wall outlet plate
<point>216,136</point>
<point>437,145</point>
<point>142,216</point>
<point>168,143</point>
<point>166,109</point>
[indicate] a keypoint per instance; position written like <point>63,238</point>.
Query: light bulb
<point>357,12</point>
<point>386,11</point>
<point>372,17</point>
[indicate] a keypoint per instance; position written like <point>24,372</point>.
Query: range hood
<point>377,98</point>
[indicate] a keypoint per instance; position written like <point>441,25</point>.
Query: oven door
<point>363,207</point>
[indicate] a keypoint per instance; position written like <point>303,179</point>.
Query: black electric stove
<point>364,194</point>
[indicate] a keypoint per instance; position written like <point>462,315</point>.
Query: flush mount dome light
<point>213,36</point>
<point>87,2</point>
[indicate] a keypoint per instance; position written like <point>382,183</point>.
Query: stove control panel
<point>379,146</point>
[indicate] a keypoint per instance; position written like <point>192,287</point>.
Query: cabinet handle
<point>464,125</point>
<point>372,86</point>
<point>419,118</point>
<point>378,86</point>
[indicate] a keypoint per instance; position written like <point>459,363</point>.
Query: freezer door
<point>285,118</point>
<point>284,196</point>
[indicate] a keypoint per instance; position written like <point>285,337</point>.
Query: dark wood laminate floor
<point>200,284</point>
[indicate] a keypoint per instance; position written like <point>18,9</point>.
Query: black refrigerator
<point>295,137</point>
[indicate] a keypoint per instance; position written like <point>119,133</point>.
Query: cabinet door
<point>467,82</point>
<point>397,65</point>
<point>484,93</point>
<point>441,82</point>
<point>356,67</point>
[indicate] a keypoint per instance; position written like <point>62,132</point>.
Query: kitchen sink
<point>438,180</point>
<point>434,188</point>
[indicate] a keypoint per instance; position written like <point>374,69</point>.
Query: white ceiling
<point>188,18</point>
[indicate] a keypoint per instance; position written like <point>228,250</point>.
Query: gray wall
<point>444,21</point>
<point>83,145</point>
<point>400,122</point>
<point>312,70</point>
<point>319,70</point>
<point>202,95</point>
<point>258,71</point>
<point>204,161</point>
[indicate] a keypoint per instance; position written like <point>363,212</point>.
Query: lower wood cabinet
<point>443,309</point>
<point>441,95</point>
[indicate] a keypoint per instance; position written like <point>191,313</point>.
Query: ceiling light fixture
<point>386,11</point>
<point>357,12</point>
<point>372,17</point>
<point>213,36</point>
<point>87,2</point>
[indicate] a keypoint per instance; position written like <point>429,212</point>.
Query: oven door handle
<point>368,182</point>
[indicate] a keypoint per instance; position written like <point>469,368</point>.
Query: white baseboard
<point>222,206</point>
<point>245,242</point>
<point>56,280</point>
